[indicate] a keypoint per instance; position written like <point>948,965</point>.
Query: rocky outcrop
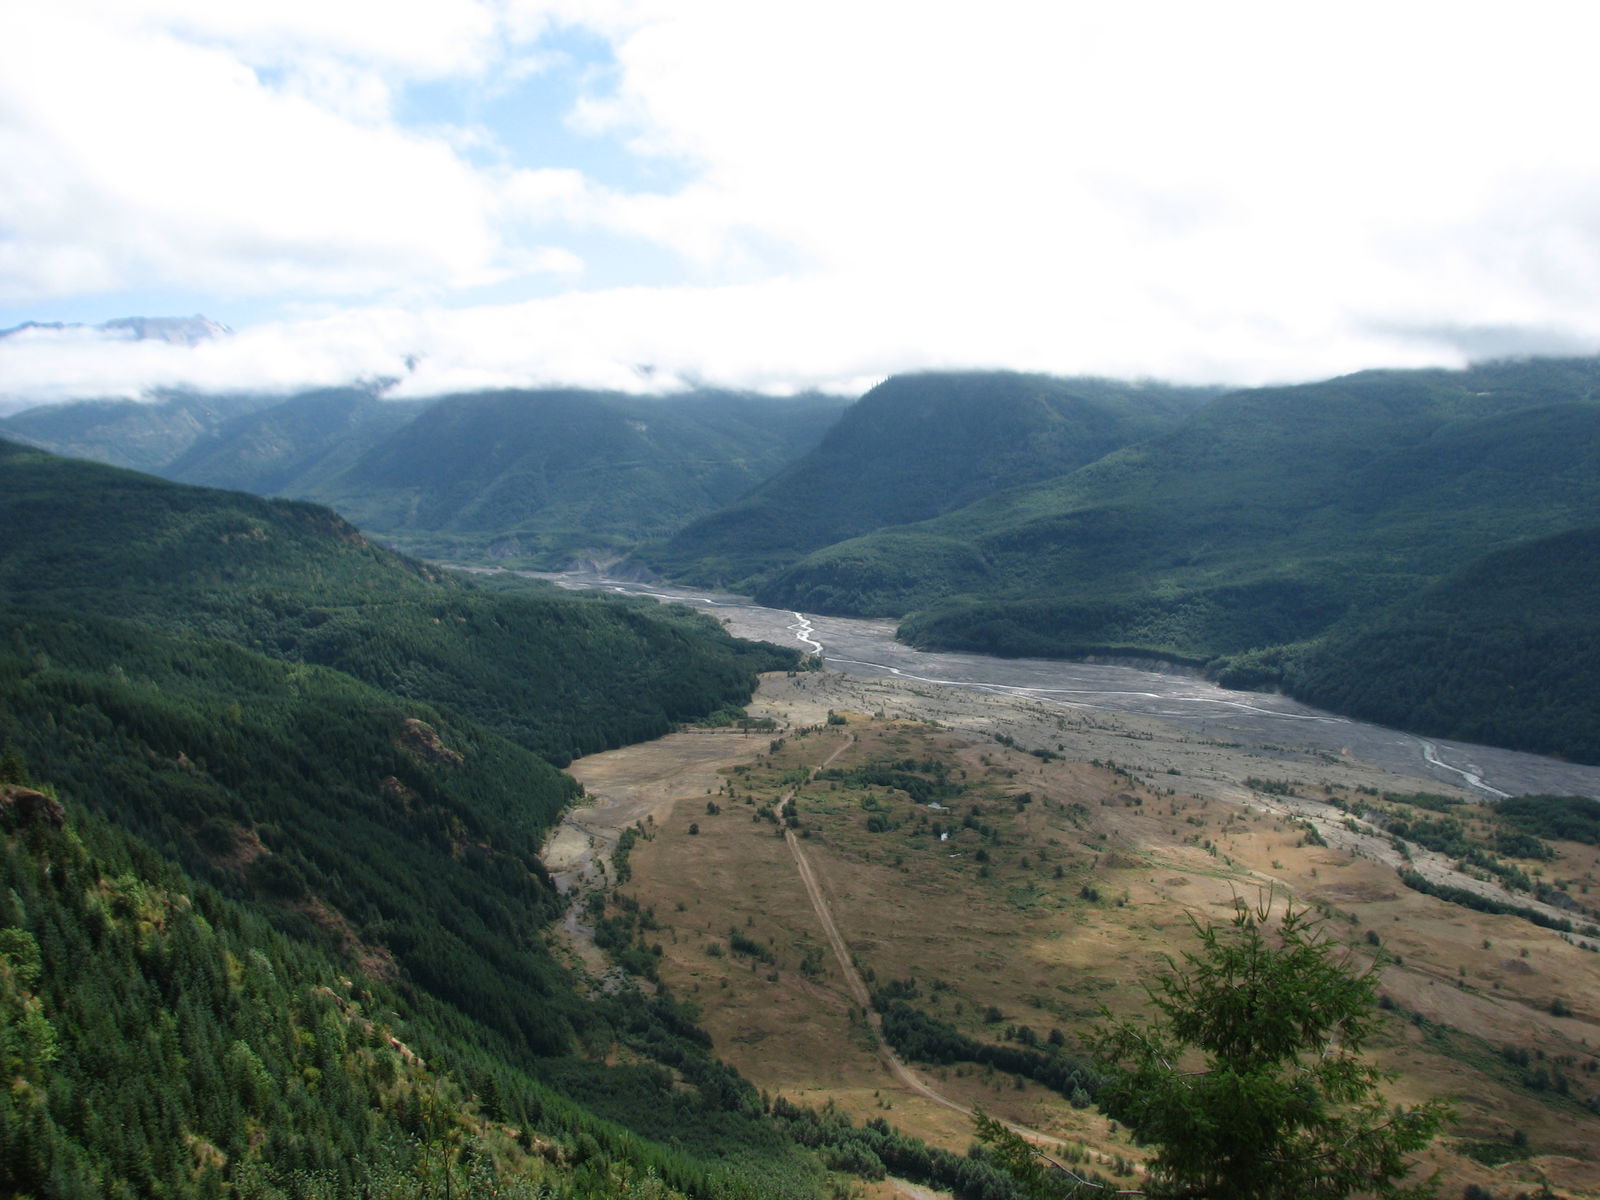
<point>22,807</point>
<point>422,739</point>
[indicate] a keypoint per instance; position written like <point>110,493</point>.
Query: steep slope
<point>539,477</point>
<point>157,650</point>
<point>1505,651</point>
<point>403,835</point>
<point>143,434</point>
<point>161,1039</point>
<point>138,1062</point>
<point>1265,516</point>
<point>558,674</point>
<point>289,448</point>
<point>914,447</point>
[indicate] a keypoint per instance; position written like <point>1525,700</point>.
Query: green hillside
<point>1268,519</point>
<point>143,434</point>
<point>1266,516</point>
<point>1505,651</point>
<point>916,446</point>
<point>157,1041</point>
<point>536,478</point>
<point>160,1039</point>
<point>417,850</point>
<point>366,857</point>
<point>202,665</point>
<point>560,675</point>
<point>289,448</point>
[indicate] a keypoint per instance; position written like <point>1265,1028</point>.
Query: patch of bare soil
<point>1057,873</point>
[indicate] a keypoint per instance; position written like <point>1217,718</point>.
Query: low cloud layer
<point>499,192</point>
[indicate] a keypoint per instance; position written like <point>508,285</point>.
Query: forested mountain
<point>533,478</point>
<point>143,434</point>
<point>353,751</point>
<point>1268,518</point>
<point>916,446</point>
<point>542,476</point>
<point>1505,651</point>
<point>558,674</point>
<point>1284,507</point>
<point>289,448</point>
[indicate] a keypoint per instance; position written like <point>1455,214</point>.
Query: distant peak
<point>187,331</point>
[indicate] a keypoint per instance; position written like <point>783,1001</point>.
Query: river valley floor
<point>1102,832</point>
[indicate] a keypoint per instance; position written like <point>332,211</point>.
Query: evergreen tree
<point>1248,1077</point>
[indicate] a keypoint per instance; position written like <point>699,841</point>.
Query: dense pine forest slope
<point>323,869</point>
<point>543,477</point>
<point>160,1039</point>
<point>535,478</point>
<point>143,434</point>
<point>916,446</point>
<point>1505,651</point>
<point>559,675</point>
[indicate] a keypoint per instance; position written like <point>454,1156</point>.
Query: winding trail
<point>857,986</point>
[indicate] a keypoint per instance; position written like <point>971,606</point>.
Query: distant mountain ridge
<point>187,331</point>
<point>916,446</point>
<point>999,512</point>
<point>1353,492</point>
<point>144,435</point>
<point>290,447</point>
<point>545,476</point>
<point>533,478</point>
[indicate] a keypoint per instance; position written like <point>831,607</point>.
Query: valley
<point>1267,725</point>
<point>764,602</point>
<point>1040,887</point>
<point>1411,548</point>
<point>650,928</point>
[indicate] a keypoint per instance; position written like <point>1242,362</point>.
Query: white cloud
<point>1237,190</point>
<point>437,38</point>
<point>239,149</point>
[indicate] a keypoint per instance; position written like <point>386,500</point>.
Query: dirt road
<point>639,784</point>
<point>857,987</point>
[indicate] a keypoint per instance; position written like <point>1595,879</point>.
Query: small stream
<point>1260,720</point>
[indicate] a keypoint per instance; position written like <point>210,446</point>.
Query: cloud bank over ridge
<point>515,192</point>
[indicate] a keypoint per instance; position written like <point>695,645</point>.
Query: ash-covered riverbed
<point>1258,720</point>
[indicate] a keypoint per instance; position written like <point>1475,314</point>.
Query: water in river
<point>868,648</point>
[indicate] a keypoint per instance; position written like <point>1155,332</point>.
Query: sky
<point>459,194</point>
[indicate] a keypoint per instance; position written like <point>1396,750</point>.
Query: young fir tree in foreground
<point>1248,1078</point>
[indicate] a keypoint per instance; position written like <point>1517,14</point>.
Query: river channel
<point>1256,719</point>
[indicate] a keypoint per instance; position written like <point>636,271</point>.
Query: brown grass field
<point>1062,885</point>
